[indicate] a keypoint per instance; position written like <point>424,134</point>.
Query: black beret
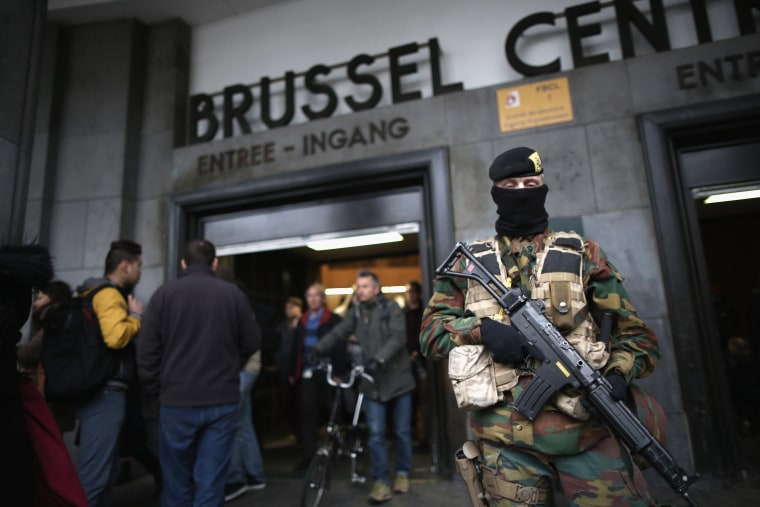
<point>515,163</point>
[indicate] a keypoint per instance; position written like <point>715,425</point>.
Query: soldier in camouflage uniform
<point>564,449</point>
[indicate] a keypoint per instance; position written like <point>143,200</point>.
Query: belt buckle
<point>528,495</point>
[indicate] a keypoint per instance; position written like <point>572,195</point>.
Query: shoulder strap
<point>487,254</point>
<point>90,295</point>
<point>569,240</point>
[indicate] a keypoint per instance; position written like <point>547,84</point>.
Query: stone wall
<point>107,118</point>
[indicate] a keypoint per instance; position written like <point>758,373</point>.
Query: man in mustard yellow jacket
<point>101,416</point>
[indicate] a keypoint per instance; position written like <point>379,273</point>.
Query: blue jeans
<point>100,420</point>
<point>246,455</point>
<point>401,407</point>
<point>195,444</point>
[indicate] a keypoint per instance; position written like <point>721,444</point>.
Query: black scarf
<point>521,211</point>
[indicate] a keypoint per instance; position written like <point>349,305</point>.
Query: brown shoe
<point>380,493</point>
<point>401,484</point>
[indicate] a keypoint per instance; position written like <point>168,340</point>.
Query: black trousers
<point>313,403</point>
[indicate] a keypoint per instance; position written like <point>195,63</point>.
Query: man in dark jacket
<point>379,324</point>
<point>197,331</point>
<point>309,385</point>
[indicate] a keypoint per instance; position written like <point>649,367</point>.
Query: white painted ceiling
<point>193,12</point>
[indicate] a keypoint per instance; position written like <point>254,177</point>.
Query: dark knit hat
<point>22,268</point>
<point>516,162</point>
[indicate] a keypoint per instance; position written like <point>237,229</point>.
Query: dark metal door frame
<point>425,169</point>
<point>704,389</point>
<point>430,168</point>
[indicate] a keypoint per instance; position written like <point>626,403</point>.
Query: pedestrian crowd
<point>196,349</point>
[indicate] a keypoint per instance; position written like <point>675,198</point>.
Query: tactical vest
<point>558,281</point>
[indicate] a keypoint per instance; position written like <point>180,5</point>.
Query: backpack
<point>76,360</point>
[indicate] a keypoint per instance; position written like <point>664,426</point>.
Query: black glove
<point>619,386</point>
<point>372,367</point>
<point>505,343</point>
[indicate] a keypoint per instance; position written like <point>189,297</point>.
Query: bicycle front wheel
<point>317,481</point>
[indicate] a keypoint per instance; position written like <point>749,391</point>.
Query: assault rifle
<point>564,366</point>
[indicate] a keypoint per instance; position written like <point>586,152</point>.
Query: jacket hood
<point>379,300</point>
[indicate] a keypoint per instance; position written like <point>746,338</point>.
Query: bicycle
<point>340,440</point>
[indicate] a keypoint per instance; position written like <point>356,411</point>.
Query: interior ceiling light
<point>339,291</point>
<point>394,289</point>
<point>733,196</point>
<point>344,291</point>
<point>268,245</point>
<point>354,241</point>
<point>728,193</point>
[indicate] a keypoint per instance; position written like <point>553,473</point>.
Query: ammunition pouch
<point>477,381</point>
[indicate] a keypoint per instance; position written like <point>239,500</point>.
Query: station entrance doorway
<point>264,230</point>
<point>705,187</point>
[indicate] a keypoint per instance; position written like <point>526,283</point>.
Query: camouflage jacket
<point>633,346</point>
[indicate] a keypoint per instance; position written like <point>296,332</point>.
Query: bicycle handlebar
<point>356,372</point>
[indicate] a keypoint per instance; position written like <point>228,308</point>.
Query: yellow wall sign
<point>534,105</point>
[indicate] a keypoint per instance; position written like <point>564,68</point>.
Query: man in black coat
<point>197,332</point>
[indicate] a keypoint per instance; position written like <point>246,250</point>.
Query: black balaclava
<point>521,211</point>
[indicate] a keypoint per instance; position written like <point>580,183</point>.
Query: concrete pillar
<point>21,31</point>
<point>88,145</point>
<point>44,150</point>
<point>165,95</point>
<point>111,110</point>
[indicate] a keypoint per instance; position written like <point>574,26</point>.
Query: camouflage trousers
<point>603,475</point>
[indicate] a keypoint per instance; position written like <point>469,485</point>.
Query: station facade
<point>162,132</point>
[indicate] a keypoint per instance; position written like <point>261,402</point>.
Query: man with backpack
<point>380,326</point>
<point>101,414</point>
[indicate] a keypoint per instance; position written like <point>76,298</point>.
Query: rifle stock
<point>564,366</point>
